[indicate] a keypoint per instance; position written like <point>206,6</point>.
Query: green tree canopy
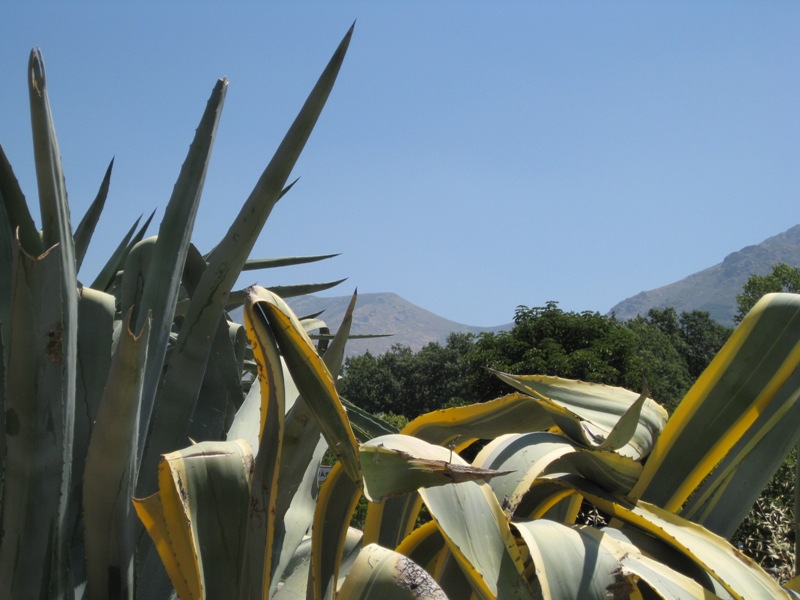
<point>782,279</point>
<point>666,349</point>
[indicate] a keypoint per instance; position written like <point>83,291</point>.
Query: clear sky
<point>474,156</point>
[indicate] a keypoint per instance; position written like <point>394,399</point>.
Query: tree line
<point>664,350</point>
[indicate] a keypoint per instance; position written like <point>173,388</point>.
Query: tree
<point>407,383</point>
<point>547,340</point>
<point>782,279</point>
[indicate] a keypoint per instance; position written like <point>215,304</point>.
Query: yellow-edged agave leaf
<point>312,379</point>
<point>198,517</point>
<point>656,550</point>
<point>569,564</point>
<point>724,498</point>
<point>478,534</point>
<point>585,563</point>
<point>748,374</point>
<point>513,413</point>
<point>546,498</point>
<point>302,451</point>
<point>741,577</point>
<point>382,573</point>
<point>793,584</point>
<point>335,506</point>
<point>167,522</point>
<point>151,513</point>
<point>525,457</point>
<point>301,455</point>
<point>427,547</point>
<point>599,416</point>
<point>264,490</point>
<point>294,583</point>
<point>388,522</point>
<point>398,464</point>
<point>265,352</point>
<point>423,545</point>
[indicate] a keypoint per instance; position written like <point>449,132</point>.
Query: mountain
<point>714,289</point>
<point>409,324</point>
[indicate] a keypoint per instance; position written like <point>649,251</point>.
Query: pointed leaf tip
<point>37,72</point>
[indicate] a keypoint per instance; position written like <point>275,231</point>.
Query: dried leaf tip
<point>36,71</point>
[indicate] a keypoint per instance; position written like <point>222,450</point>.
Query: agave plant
<point>671,491</point>
<point>99,381</point>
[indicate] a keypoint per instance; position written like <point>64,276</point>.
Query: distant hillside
<point>714,289</point>
<point>410,325</point>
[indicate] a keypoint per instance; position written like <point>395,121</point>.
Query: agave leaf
<point>423,545</point>
<point>335,506</point>
<point>302,452</point>
<point>246,423</point>
<point>96,324</point>
<point>264,492</point>
<point>310,325</point>
<point>597,415</point>
<point>253,264</point>
<point>528,456</point>
<point>7,243</point>
<point>398,464</point>
<point>49,172</point>
<point>222,389</point>
<point>388,522</point>
<point>56,229</point>
<point>163,277</point>
<point>739,575</point>
<point>585,563</point>
<point>571,564</point>
<point>478,534</point>
<point>334,355</point>
<point>365,425</point>
<point>294,586</point>
<point>312,379</point>
<point>722,501</point>
<point>548,498</point>
<point>303,449</point>
<point>105,277</point>
<point>110,475</point>
<point>299,485</point>
<point>34,516</point>
<point>137,263</point>
<point>190,355</point>
<point>427,547</point>
<point>2,412</point>
<point>450,576</point>
<point>379,572</point>
<point>85,229</point>
<point>291,291</point>
<point>662,554</point>
<point>514,413</point>
<point>725,403</point>
<point>16,208</point>
<point>197,518</point>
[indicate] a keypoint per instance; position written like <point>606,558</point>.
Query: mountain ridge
<point>384,313</point>
<point>712,289</point>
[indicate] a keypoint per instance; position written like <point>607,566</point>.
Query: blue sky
<point>474,156</point>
